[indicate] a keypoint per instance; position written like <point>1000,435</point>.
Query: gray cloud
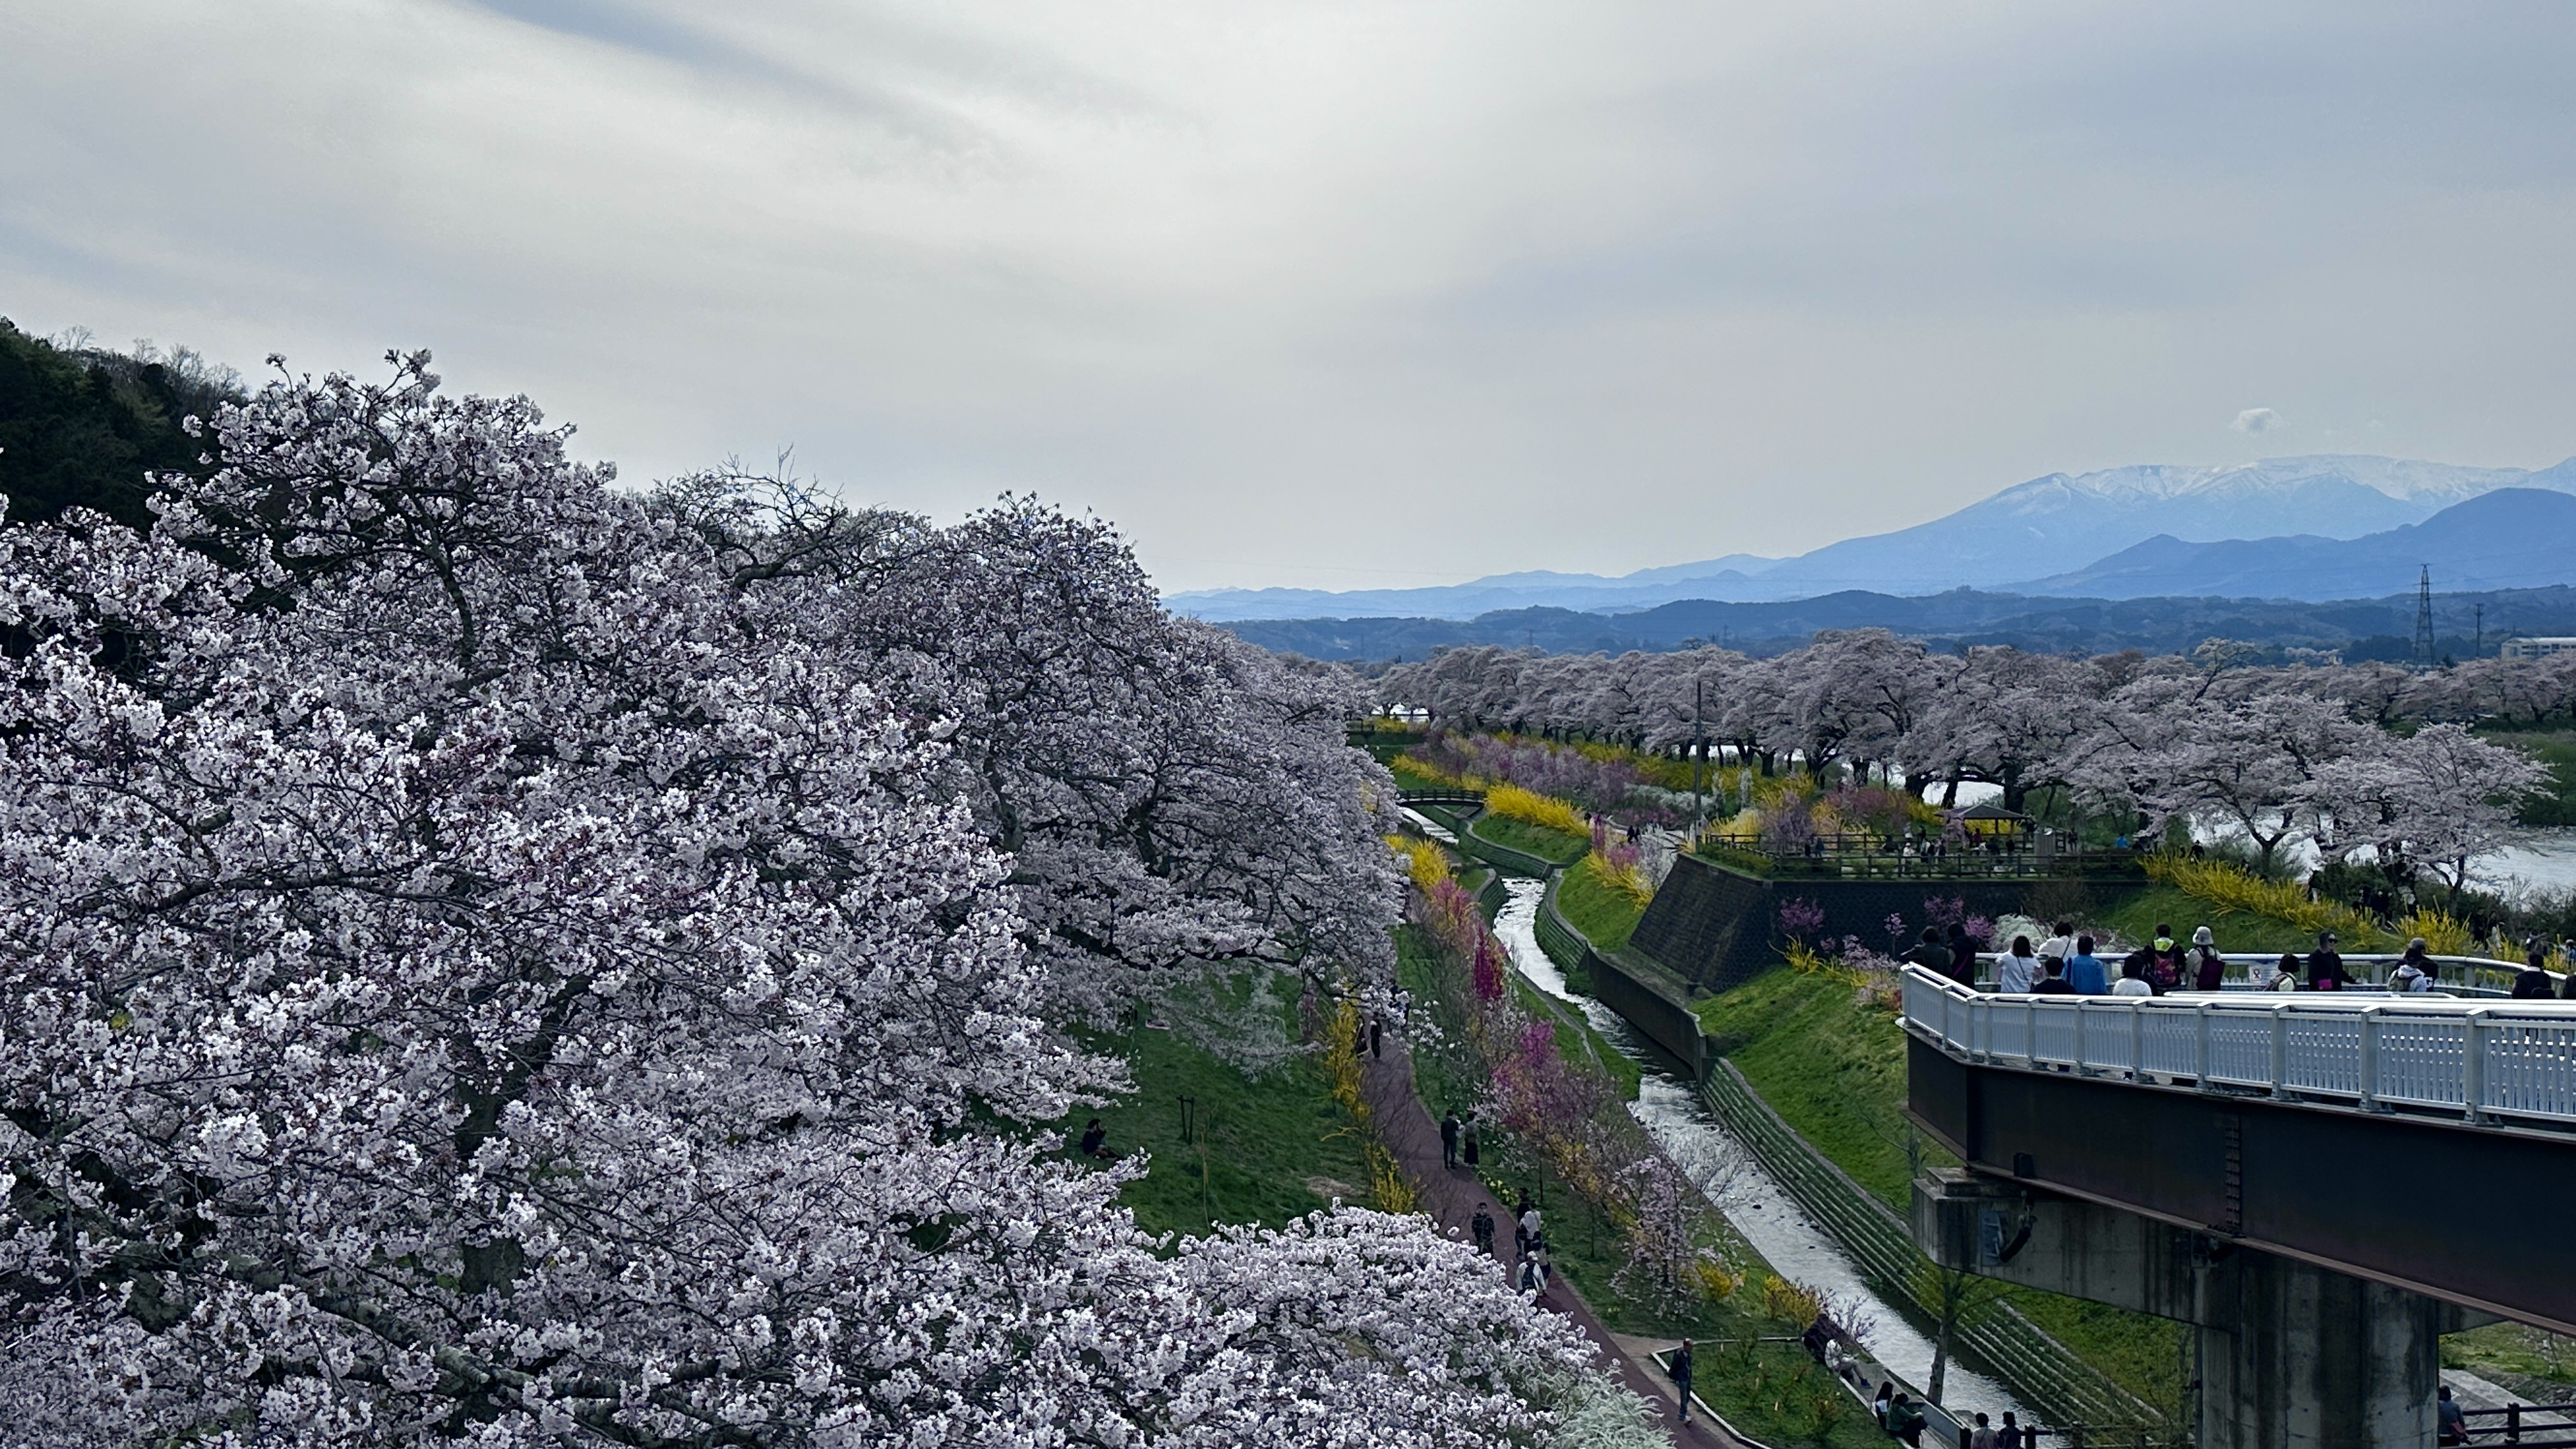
<point>2256,420</point>
<point>1345,294</point>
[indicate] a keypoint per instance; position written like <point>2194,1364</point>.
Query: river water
<point>1765,1216</point>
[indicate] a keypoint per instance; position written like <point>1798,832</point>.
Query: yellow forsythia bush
<point>2230,887</point>
<point>2443,933</point>
<point>1716,1281</point>
<point>1788,1302</point>
<point>1427,863</point>
<point>1514,803</point>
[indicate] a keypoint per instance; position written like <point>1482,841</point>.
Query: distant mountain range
<point>2380,628</point>
<point>2059,534</point>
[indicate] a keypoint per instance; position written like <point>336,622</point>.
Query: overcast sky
<point>1348,295</point>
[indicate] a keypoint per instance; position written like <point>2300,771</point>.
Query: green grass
<point>1603,915</point>
<point>2136,918</point>
<point>1275,1147</point>
<point>2554,803</point>
<point>1770,1390</point>
<point>1835,1072</point>
<point>1409,777</point>
<point>1554,846</point>
<point>2539,1365</point>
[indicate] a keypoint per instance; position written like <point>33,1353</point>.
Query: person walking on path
<point>1682,1377</point>
<point>2084,970</point>
<point>1449,1140</point>
<point>2018,971</point>
<point>1482,1225</point>
<point>2325,965</point>
<point>2208,968</point>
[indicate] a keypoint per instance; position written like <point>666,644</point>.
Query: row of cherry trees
<point>492,959</point>
<point>2347,757</point>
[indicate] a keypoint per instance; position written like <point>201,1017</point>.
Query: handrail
<point>2482,1062</point>
<point>2467,975</point>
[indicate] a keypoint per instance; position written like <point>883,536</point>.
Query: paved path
<point>1450,1196</point>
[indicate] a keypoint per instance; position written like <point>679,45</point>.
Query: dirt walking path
<point>1450,1196</point>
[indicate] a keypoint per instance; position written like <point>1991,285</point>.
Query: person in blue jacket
<point>2084,970</point>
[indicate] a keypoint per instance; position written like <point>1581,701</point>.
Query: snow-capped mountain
<point>2047,528</point>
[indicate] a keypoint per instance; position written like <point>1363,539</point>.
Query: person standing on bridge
<point>2208,968</point>
<point>2084,971</point>
<point>2533,983</point>
<point>2060,943</point>
<point>2164,961</point>
<point>2018,971</point>
<point>2414,969</point>
<point>2325,965</point>
<point>2054,983</point>
<point>1963,958</point>
<point>1931,953</point>
<point>2133,977</point>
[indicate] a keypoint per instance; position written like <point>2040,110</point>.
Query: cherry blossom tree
<point>492,960</point>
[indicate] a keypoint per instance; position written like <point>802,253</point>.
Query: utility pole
<point>1699,757</point>
<point>2424,618</point>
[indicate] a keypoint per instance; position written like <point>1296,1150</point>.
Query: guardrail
<point>2370,1051</point>
<point>2461,975</point>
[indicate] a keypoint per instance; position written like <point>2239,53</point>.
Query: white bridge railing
<point>2488,1062</point>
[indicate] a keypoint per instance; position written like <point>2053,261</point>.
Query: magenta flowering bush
<point>1801,918</point>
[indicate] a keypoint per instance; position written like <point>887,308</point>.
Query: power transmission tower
<point>2424,618</point>
<point>2478,650</point>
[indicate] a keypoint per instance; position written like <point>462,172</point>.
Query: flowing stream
<point>1764,1215</point>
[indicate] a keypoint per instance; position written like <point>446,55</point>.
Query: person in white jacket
<point>2018,970</point>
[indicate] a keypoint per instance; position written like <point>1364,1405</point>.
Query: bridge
<point>2322,1183</point>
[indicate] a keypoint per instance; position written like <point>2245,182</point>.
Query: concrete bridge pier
<point>2292,1355</point>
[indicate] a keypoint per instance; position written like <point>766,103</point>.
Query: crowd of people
<point>2066,964</point>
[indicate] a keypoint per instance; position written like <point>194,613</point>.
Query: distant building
<point>2536,648</point>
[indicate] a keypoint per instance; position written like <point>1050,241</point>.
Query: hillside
<point>84,425</point>
<point>2510,538</point>
<point>2377,628</point>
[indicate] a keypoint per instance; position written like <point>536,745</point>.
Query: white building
<point>2535,648</point>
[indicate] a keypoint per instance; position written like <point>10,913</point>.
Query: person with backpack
<point>2414,969</point>
<point>2164,961</point>
<point>2208,968</point>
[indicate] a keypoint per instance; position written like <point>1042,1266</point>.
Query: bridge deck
<point>2426,1143</point>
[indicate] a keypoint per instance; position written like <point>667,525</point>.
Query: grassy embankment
<point>1603,914</point>
<point>1834,1069</point>
<point>1751,1369</point>
<point>1268,1149</point>
<point>2554,803</point>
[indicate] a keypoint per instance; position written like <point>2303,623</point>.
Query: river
<point>1766,1217</point>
